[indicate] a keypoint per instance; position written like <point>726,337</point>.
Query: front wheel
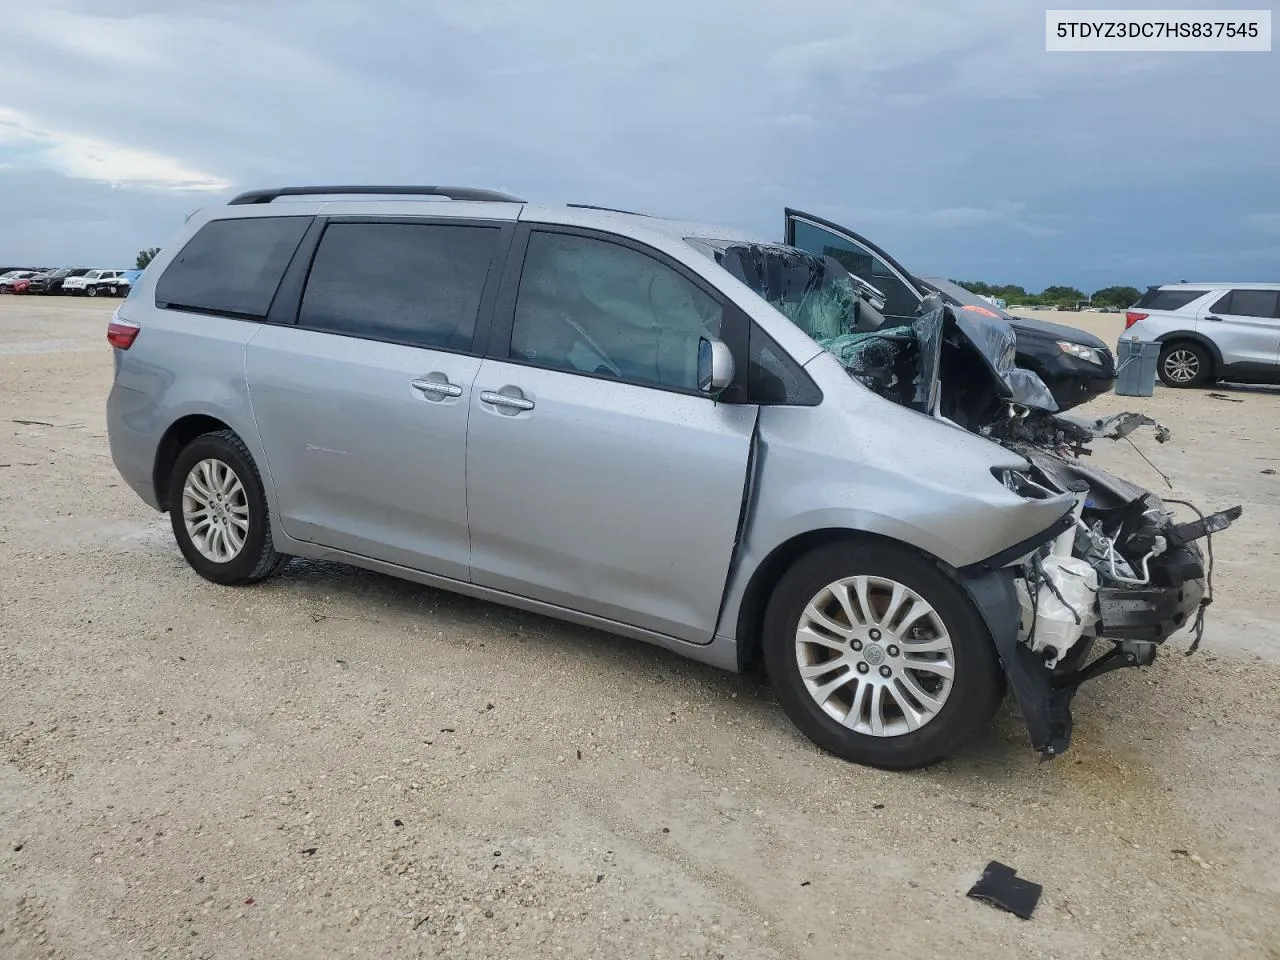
<point>92,291</point>
<point>880,657</point>
<point>218,510</point>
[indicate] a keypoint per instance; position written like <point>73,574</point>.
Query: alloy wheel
<point>215,509</point>
<point>875,656</point>
<point>1181,366</point>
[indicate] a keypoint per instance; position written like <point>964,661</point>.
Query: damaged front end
<point>1125,572</point>
<point>1118,571</point>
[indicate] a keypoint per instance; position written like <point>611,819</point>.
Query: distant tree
<point>145,256</point>
<point>1063,296</point>
<point>1056,295</point>
<point>1116,297</point>
<point>1008,292</point>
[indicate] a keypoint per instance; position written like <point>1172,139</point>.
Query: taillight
<point>122,333</point>
<point>1131,317</point>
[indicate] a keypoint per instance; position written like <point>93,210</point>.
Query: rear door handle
<point>441,388</point>
<point>1215,319</point>
<point>502,400</point>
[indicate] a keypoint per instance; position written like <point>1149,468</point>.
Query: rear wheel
<point>1184,364</point>
<point>879,657</point>
<point>218,510</point>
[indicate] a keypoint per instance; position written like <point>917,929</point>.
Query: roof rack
<point>593,206</point>
<point>450,193</point>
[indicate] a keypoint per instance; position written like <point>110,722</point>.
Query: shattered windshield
<point>903,362</point>
<point>841,312</point>
<point>815,293</point>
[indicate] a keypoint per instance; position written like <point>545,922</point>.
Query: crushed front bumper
<point>1134,620</point>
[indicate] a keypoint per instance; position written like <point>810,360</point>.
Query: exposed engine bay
<point>1119,568</point>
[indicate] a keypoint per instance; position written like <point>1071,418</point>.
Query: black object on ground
<point>1001,887</point>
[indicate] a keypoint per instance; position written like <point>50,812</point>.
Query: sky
<point>939,128</point>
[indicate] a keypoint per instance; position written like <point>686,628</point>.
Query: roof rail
<point>593,206</point>
<point>451,193</point>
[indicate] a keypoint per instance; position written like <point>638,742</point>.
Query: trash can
<point>1136,362</point>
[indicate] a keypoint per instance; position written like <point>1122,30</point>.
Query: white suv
<point>1211,331</point>
<point>96,283</point>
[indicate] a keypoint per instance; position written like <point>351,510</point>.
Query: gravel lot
<point>338,764</point>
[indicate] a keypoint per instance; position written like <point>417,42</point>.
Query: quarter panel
<point>180,364</point>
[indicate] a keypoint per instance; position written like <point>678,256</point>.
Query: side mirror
<point>715,366</point>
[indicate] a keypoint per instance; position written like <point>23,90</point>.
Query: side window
<point>232,266</point>
<point>1157,299</point>
<point>595,307</point>
<point>1251,303</point>
<point>900,301</point>
<point>413,283</point>
<point>773,378</point>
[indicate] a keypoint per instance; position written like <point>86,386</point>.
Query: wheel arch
<point>180,433</point>
<point>1200,340</point>
<point>764,579</point>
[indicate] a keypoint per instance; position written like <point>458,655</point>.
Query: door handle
<point>1215,319</point>
<point>502,400</point>
<point>443,387</point>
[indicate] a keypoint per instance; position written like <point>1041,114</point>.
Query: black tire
<point>92,291</point>
<point>258,558</point>
<point>1180,355</point>
<point>977,686</point>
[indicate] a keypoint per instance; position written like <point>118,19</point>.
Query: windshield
<point>841,312</point>
<point>958,296</point>
<point>815,293</point>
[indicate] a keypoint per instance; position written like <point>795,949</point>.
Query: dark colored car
<point>1075,365</point>
<point>51,282</point>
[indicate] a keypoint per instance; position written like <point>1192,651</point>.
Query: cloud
<point>940,128</point>
<point>89,158</point>
<point>1006,213</point>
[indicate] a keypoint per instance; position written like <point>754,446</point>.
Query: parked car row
<point>70,281</point>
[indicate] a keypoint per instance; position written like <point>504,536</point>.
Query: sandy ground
<point>338,764</point>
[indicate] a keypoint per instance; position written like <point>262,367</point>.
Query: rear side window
<point>232,266</point>
<point>1156,299</point>
<point>1249,303</point>
<point>413,283</point>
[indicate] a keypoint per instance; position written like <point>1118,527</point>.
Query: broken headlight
<point>1021,484</point>
<point>1080,351</point>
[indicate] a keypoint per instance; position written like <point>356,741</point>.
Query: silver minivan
<point>675,432</point>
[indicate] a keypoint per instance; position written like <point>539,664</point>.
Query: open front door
<point>860,257</point>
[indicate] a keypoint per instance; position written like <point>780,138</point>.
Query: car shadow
<point>386,597</point>
<point>332,590</point>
